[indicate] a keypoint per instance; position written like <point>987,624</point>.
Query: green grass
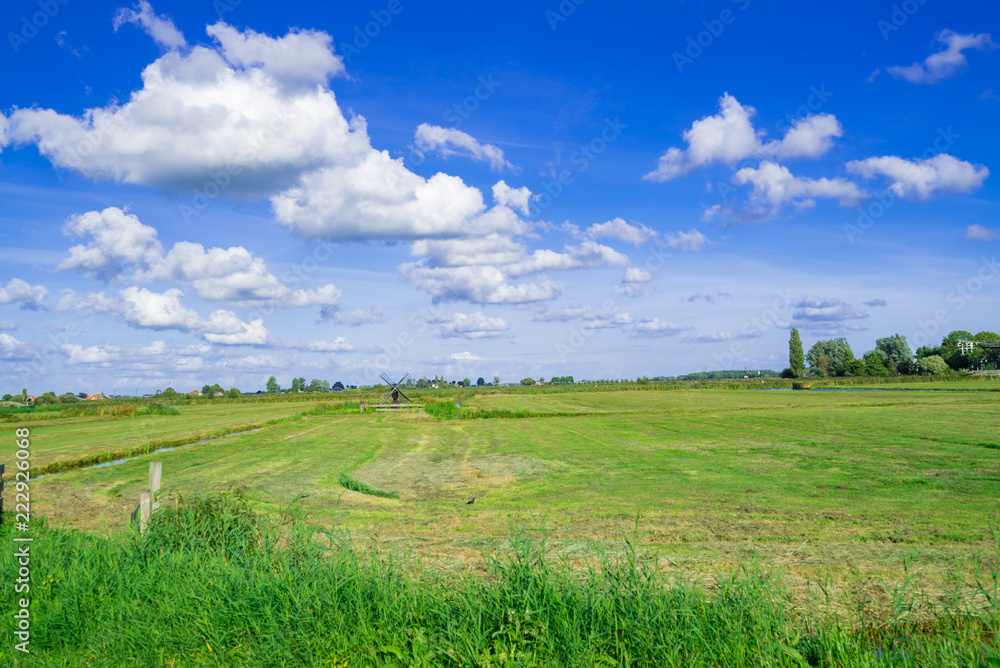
<point>870,494</point>
<point>347,482</point>
<point>213,584</point>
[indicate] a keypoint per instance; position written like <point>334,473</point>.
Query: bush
<point>933,365</point>
<point>801,386</point>
<point>788,373</point>
<point>68,398</point>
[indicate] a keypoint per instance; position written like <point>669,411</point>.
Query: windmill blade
<point>403,395</point>
<point>384,376</point>
<point>403,379</point>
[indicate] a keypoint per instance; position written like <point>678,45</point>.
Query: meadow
<point>838,517</point>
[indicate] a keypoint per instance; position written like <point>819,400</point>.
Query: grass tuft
<point>350,483</point>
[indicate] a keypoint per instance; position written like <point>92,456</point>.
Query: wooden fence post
<point>155,473</point>
<point>144,511</point>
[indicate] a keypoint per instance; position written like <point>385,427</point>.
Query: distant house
<point>31,399</point>
<point>194,393</point>
<point>95,397</point>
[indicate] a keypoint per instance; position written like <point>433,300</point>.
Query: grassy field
<point>866,492</point>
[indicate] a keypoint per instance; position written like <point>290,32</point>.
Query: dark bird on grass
<point>470,501</point>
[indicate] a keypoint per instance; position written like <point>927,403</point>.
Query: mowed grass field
<point>818,484</point>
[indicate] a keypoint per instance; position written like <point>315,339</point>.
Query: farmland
<point>863,491</point>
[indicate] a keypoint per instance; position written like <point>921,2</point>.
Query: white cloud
<point>583,256</point>
<point>340,344</point>
<point>563,314</point>
<point>622,231</point>
<point>692,240</point>
<point>302,56</point>
<point>451,141</point>
<point>143,309</point>
<point>980,233</point>
<point>923,178</point>
<point>464,357</point>
<point>160,28</point>
<point>15,350</point>
<point>608,321</point>
<point>480,285</point>
<point>656,327</point>
<point>636,275</point>
<point>828,315</point>
<point>120,242</point>
<point>7,325</point>
<point>473,326</point>
<point>774,186</point>
<point>77,354</point>
<point>945,63</point>
<point>198,120</point>
<point>729,136</point>
<point>30,297</point>
<point>518,199</point>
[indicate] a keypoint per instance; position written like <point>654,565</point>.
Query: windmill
<point>393,392</point>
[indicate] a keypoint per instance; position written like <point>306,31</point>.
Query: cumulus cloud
<point>141,308</point>
<point>980,233</point>
<point>518,199</point>
<point>622,231</point>
<point>464,357</point>
<point>477,284</point>
<point>828,315</point>
<point>636,275</point>
<point>729,136</point>
<point>7,325</point>
<point>875,302</point>
<point>945,63</point>
<point>692,240</point>
<point>199,119</point>
<point>160,28</point>
<point>923,178</point>
<point>301,57</point>
<point>15,350</point>
<point>774,186</point>
<point>451,141</point>
<point>30,297</point>
<point>656,327</point>
<point>120,244</point>
<point>340,344</point>
<point>473,326</point>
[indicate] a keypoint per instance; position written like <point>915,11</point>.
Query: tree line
<point>892,355</point>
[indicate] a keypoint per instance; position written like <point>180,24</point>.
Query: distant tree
<point>81,395</point>
<point>7,397</point>
<point>466,382</point>
<point>233,393</point>
<point>338,385</point>
<point>317,385</point>
<point>169,392</point>
<point>298,385</point>
<point>272,385</point>
<point>788,373</point>
<point>831,358</point>
<point>541,380</point>
<point>68,398</point>
<point>857,367</point>
<point>933,365</point>
<point>989,356</point>
<point>562,380</point>
<point>207,390</point>
<point>952,352</point>
<point>897,351</point>
<point>217,389</point>
<point>527,381</point>
<point>796,359</point>
<point>875,364</point>
<point>496,380</point>
<point>480,382</point>
<point>423,383</point>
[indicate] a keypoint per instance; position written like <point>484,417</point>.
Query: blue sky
<point>206,192</point>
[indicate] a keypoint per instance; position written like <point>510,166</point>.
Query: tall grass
<point>213,584</point>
